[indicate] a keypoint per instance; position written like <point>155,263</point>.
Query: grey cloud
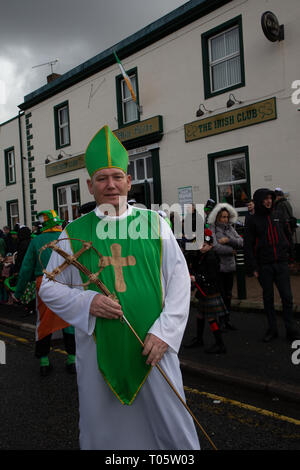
<point>33,32</point>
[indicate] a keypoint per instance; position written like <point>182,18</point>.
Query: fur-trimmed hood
<point>233,215</point>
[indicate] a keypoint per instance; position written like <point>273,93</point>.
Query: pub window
<point>67,198</point>
<point>229,177</point>
<point>10,169</point>
<point>62,125</point>
<point>223,58</point>
<point>128,111</point>
<point>231,180</point>
<point>140,169</point>
<point>12,213</point>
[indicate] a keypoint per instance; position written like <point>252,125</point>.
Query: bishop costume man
<point>124,402</point>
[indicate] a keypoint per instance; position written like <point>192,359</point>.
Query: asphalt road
<point>238,419</point>
<point>36,413</point>
<point>42,413</point>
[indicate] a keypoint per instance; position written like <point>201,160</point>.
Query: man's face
<point>268,201</point>
<point>250,206</point>
<point>108,185</point>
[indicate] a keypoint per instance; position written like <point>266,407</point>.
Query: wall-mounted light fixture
<point>61,155</point>
<point>232,100</point>
<point>50,159</point>
<point>202,111</point>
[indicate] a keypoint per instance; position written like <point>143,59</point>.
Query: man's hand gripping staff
<point>107,306</point>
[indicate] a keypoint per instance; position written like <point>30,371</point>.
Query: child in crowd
<point>204,276</point>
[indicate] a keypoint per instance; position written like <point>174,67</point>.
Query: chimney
<point>52,76</point>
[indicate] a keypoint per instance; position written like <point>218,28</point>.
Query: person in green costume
<point>47,321</point>
<point>124,402</point>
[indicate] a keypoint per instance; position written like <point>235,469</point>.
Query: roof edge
<point>167,24</point>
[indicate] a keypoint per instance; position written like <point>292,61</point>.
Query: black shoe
<point>46,370</point>
<point>196,342</point>
<point>270,335</point>
<point>216,349</point>
<point>71,368</point>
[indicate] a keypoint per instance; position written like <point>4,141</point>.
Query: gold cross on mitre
<point>118,263</point>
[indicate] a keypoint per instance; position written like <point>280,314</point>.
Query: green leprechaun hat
<point>105,151</point>
<point>49,219</point>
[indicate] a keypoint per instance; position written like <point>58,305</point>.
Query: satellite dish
<point>271,28</point>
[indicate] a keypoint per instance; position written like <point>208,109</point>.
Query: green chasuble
<point>131,249</point>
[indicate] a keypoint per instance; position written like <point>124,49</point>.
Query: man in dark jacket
<point>267,252</point>
<point>284,212</point>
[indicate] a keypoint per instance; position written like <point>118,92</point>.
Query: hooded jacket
<point>265,238</point>
<point>283,209</point>
<point>225,252</point>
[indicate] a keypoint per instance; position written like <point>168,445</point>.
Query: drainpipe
<point>22,167</point>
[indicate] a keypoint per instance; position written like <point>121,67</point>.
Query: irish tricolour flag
<point>126,78</point>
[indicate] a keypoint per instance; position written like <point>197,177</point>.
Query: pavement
<point>271,368</point>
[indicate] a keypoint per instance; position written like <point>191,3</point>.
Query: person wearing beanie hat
<point>209,205</point>
<point>267,253</point>
<point>142,265</point>
<point>47,322</point>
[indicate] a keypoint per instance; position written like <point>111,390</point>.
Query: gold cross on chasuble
<point>118,263</point>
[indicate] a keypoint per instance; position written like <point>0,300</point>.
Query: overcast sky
<point>33,32</point>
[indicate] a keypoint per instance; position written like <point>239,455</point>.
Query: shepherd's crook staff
<point>93,278</point>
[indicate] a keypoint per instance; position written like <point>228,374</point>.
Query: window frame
<point>8,212</point>
<point>227,154</point>
<point>7,152</point>
<point>58,108</point>
<point>61,185</point>
<point>206,45</point>
<point>144,157</point>
<point>119,93</point>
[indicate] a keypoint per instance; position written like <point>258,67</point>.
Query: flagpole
<point>128,81</point>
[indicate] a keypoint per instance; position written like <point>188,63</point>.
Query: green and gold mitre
<point>105,151</point>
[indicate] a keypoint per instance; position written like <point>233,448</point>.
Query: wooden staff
<point>174,389</point>
<point>93,278</point>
